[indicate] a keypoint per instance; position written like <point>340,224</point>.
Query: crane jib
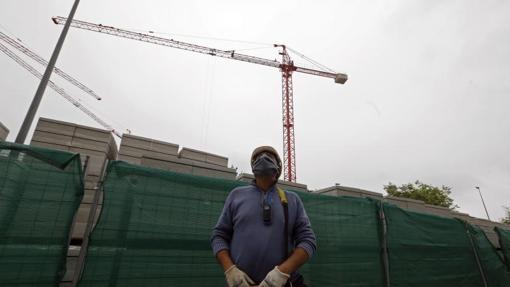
<point>286,67</point>
<point>229,54</point>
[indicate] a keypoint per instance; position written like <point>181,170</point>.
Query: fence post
<point>482,273</point>
<point>384,243</point>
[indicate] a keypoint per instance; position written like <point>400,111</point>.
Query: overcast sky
<point>427,96</point>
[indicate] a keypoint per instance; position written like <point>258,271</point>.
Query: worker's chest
<point>249,211</point>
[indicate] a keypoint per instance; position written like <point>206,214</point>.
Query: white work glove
<point>275,278</point>
<point>237,278</point>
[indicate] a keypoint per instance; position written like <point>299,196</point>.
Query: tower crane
<point>57,89</point>
<point>286,67</point>
<point>18,46</point>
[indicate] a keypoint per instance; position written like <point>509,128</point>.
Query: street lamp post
<point>483,202</point>
<point>32,110</point>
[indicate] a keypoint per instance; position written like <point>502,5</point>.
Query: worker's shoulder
<point>291,195</point>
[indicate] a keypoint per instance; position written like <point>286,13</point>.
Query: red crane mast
<point>286,67</point>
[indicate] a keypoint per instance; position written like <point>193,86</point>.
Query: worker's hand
<point>237,278</point>
<point>275,278</point>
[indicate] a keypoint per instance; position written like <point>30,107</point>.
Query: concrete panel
<point>4,132</point>
<point>49,145</point>
<point>438,210</point>
<point>197,155</point>
<point>396,201</point>
<point>78,230</point>
<point>83,213</point>
<point>347,193</point>
<point>149,144</point>
<point>135,141</point>
<point>93,133</point>
<point>90,144</point>
<point>130,151</point>
<point>129,159</point>
<point>167,165</point>
<point>167,148</point>
<point>91,178</point>
<point>97,159</point>
<point>42,136</point>
<point>81,218</point>
<point>340,190</point>
<point>213,173</point>
<point>88,196</point>
<point>71,262</point>
<point>73,251</point>
<point>247,177</point>
<point>56,127</point>
<point>138,152</point>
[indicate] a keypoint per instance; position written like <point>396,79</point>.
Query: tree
<point>430,194</point>
<point>506,219</point>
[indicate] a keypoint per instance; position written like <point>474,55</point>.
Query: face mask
<point>265,165</point>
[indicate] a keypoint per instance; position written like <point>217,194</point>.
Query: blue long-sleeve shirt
<point>256,248</point>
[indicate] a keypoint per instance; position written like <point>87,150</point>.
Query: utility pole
<point>477,187</point>
<point>32,110</point>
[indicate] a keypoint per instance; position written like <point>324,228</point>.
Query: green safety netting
<point>348,237</point>
<point>427,250</point>
<point>40,191</point>
<point>494,268</point>
<point>155,227</point>
<point>504,243</point>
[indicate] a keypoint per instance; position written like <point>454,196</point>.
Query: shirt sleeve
<point>222,232</point>
<point>304,236</point>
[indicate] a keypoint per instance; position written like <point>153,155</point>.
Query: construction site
<point>100,204</point>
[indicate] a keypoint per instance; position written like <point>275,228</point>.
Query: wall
<point>4,132</point>
<point>167,156</point>
<point>287,185</point>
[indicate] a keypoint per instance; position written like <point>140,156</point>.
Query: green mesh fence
<point>427,250</point>
<point>155,226</point>
<point>154,229</point>
<point>494,268</point>
<point>347,234</point>
<point>40,191</point>
<point>504,243</point>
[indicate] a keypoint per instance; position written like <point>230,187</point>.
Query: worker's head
<point>265,162</point>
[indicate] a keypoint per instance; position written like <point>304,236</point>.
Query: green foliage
<point>506,219</point>
<point>430,194</point>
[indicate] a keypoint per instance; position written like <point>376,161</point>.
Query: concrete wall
<point>164,155</point>
<point>287,185</point>
<point>339,190</point>
<point>4,132</point>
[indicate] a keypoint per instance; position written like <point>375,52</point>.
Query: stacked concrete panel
<point>287,185</point>
<point>4,132</point>
<point>96,144</point>
<point>164,155</point>
<point>339,190</point>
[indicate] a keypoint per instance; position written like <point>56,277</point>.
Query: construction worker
<point>250,240</point>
